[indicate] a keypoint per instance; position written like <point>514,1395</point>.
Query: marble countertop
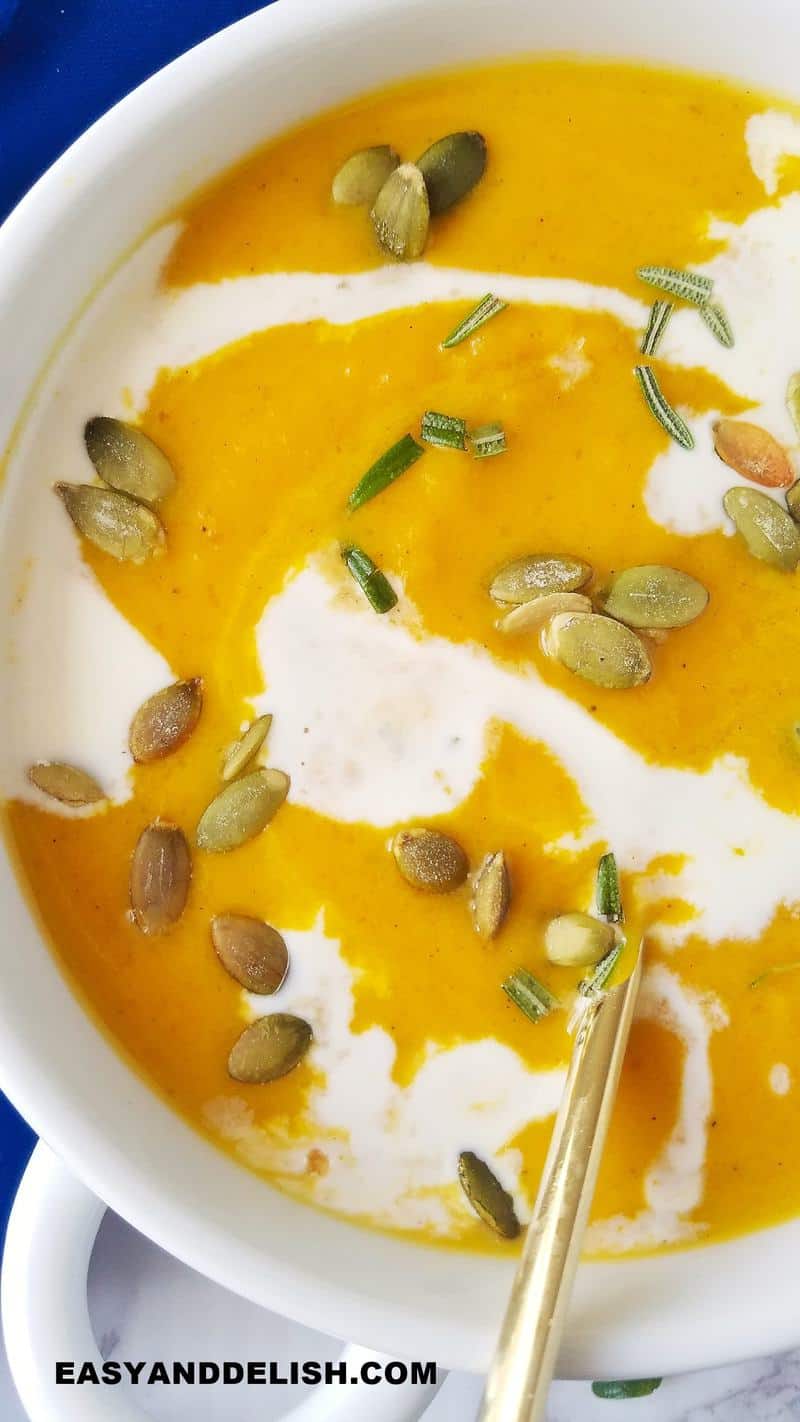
<point>145,1305</point>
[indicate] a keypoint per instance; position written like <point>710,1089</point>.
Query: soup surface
<point>274,352</point>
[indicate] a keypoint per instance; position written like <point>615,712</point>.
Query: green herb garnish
<point>774,971</point>
<point>373,583</point>
<point>618,1391</point>
<point>688,286</point>
<point>487,440</point>
<point>597,980</point>
<point>488,307</point>
<point>668,418</point>
<point>385,470</point>
<point>608,896</point>
<point>445,430</point>
<point>529,995</point>
<point>660,313</point>
<point>718,323</point>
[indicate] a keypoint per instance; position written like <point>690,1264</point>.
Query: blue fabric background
<point>62,64</point>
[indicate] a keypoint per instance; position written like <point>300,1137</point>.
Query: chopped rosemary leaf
<point>373,583</point>
<point>596,980</point>
<point>619,1391</point>
<point>385,470</point>
<point>774,971</point>
<point>487,440</point>
<point>668,418</point>
<point>488,307</point>
<point>607,893</point>
<point>445,430</point>
<point>688,286</point>
<point>718,323</point>
<point>529,995</point>
<point>660,312</point>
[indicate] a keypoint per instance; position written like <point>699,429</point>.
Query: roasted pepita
<point>491,895</point>
<point>363,174</point>
<point>269,1048</point>
<point>161,869</point>
<point>242,810</point>
<point>793,501</point>
<point>65,783</point>
<point>767,529</point>
<point>754,453</point>
<point>430,860</point>
<point>598,649</point>
<point>489,1200</point>
<point>128,460</point>
<point>250,950</point>
<point>113,522</point>
<point>532,616</point>
<point>238,756</point>
<point>536,574</point>
<point>451,168</point>
<point>654,596</point>
<point>576,940</point>
<point>401,213</point>
<point>793,400</point>
<point>165,720</point>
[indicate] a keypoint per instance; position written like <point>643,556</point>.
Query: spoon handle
<point>520,1375</point>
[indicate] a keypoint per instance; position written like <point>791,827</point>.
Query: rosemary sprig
<point>717,321</point>
<point>488,307</point>
<point>385,470</point>
<point>608,896</point>
<point>445,430</point>
<point>608,900</point>
<point>373,583</point>
<point>660,313</point>
<point>687,286</point>
<point>774,971</point>
<point>529,995</point>
<point>487,440</point>
<point>619,1391</point>
<point>668,418</point>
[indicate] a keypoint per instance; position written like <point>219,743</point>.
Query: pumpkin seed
<point>113,522</point>
<point>654,596</point>
<point>597,648</point>
<point>491,897</point>
<point>451,168</point>
<point>536,574</point>
<point>754,453</point>
<point>65,783</point>
<point>128,459</point>
<point>767,529</point>
<point>238,756</point>
<point>401,213</point>
<point>363,174</point>
<point>793,501</point>
<point>576,940</point>
<point>250,950</point>
<point>530,616</point>
<point>430,860</point>
<point>486,1195</point>
<point>793,400</point>
<point>161,869</point>
<point>242,810</point>
<point>166,720</point>
<point>269,1048</point>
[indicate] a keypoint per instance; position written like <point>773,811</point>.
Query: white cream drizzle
<point>64,634</point>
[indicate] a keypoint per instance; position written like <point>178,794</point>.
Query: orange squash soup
<point>411,636</point>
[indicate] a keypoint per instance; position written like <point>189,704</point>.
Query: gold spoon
<point>522,1370</point>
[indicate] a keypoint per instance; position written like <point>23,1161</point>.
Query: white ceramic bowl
<point>632,1318</point>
